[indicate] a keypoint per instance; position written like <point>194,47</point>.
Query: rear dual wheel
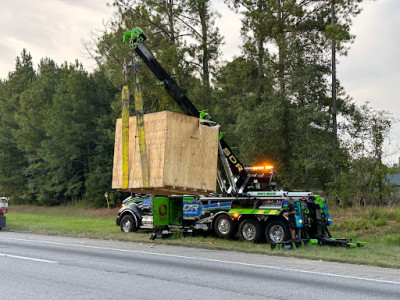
<point>224,227</point>
<point>277,231</point>
<point>250,230</point>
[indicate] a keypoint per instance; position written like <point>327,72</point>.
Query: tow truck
<point>248,203</point>
<point>3,210</point>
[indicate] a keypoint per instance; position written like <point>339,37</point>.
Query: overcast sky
<point>56,28</point>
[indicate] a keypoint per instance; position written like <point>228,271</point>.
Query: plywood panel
<point>155,144</point>
<point>182,155</point>
<point>117,164</point>
<point>192,153</point>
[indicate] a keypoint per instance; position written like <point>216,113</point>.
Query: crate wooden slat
<point>181,152</point>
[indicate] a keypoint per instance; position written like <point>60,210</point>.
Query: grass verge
<point>379,227</point>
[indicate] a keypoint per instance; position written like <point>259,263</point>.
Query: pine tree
<point>34,103</point>
<point>12,160</point>
<point>98,181</point>
<point>200,18</point>
<point>68,124</point>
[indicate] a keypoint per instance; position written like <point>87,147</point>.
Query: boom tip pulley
<point>134,37</point>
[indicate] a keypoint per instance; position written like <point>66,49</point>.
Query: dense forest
<point>279,101</point>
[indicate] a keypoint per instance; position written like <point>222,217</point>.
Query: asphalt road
<point>46,267</point>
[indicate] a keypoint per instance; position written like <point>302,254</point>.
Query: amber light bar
<point>265,168</point>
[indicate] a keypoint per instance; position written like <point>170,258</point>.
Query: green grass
<point>379,227</point>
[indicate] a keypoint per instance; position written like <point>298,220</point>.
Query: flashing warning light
<point>262,168</point>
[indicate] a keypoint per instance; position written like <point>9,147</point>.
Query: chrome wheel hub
<point>249,231</point>
<point>276,233</point>
<point>127,226</point>
<point>224,226</point>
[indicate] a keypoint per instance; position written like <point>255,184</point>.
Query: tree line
<point>275,101</point>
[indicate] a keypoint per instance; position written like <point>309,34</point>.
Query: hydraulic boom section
<point>135,38</point>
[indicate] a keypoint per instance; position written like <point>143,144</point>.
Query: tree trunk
<point>205,58</point>
<point>282,53</point>
<point>260,57</point>
<point>334,121</point>
<point>260,67</point>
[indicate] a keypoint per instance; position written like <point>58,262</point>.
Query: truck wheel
<point>128,224</point>
<point>224,227</point>
<point>250,231</point>
<point>276,231</point>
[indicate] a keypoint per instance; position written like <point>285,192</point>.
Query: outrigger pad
<point>347,243</point>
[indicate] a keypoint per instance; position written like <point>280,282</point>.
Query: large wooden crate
<point>182,155</point>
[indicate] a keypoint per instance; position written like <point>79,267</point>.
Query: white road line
<point>28,258</point>
<point>212,260</point>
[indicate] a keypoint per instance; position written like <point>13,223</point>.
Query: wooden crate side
<point>155,143</point>
<point>208,150</point>
<point>182,155</point>
<point>117,164</point>
<point>191,154</point>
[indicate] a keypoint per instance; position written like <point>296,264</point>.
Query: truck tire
<point>128,224</point>
<point>277,231</point>
<point>250,231</point>
<point>224,227</point>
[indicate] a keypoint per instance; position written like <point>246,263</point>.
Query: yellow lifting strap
<point>141,131</point>
<point>125,136</point>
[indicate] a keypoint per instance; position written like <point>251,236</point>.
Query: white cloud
<point>47,28</point>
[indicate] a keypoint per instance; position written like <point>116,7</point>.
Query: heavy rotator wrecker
<point>248,203</point>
